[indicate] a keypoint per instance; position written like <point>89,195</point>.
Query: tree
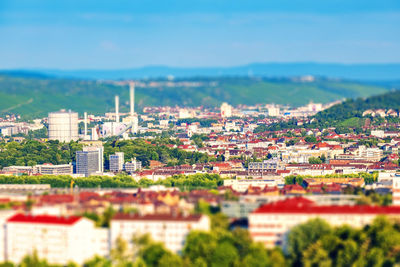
<point>224,255</point>
<point>98,261</point>
<point>200,244</point>
<point>315,256</point>
<point>170,260</point>
<point>153,253</point>
<point>310,139</point>
<point>302,236</point>
<point>242,241</point>
<point>120,254</point>
<point>314,160</point>
<point>33,261</point>
<point>256,257</point>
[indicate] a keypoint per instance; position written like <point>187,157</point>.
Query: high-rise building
<point>117,162</point>
<point>63,126</point>
<point>226,110</point>
<point>90,161</point>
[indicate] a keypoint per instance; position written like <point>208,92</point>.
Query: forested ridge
<point>35,96</point>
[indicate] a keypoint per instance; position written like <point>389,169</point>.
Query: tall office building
<point>117,162</point>
<point>89,161</point>
<point>63,126</point>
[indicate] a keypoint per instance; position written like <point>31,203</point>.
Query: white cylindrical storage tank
<point>63,126</point>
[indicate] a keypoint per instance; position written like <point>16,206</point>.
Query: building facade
<point>57,239</point>
<point>132,166</point>
<point>271,223</point>
<point>117,162</point>
<point>90,161</point>
<point>168,229</point>
<point>50,169</point>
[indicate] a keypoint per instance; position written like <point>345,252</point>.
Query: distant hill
<point>365,72</point>
<point>35,95</point>
<point>346,113</point>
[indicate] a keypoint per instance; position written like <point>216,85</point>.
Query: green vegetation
<point>196,181</point>
<point>219,247</point>
<point>316,243</point>
<point>31,152</point>
<point>346,116</point>
<point>369,178</point>
<point>349,113</point>
<point>156,150</point>
<point>29,96</point>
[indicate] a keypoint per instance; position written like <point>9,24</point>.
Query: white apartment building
<point>4,215</point>
<point>168,229</point>
<point>48,168</point>
<point>117,162</point>
<point>241,185</point>
<point>370,153</point>
<point>57,239</point>
<point>270,224</point>
<point>132,166</point>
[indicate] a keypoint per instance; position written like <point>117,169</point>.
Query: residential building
<point>270,224</point>
<point>241,185</point>
<point>50,169</point>
<point>57,239</point>
<point>117,162</point>
<point>133,165</point>
<point>168,229</point>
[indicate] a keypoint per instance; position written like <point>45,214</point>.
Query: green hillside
<point>36,96</point>
<point>346,115</point>
<point>349,113</point>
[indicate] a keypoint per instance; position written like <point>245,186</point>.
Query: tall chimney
<point>117,108</point>
<point>132,97</point>
<point>85,122</point>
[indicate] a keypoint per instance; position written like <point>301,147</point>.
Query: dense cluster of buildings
<point>258,167</point>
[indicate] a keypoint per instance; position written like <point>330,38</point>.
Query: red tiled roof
<point>44,219</point>
<point>303,205</point>
<point>156,217</point>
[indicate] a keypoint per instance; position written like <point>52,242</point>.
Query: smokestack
<point>85,121</point>
<point>132,97</point>
<point>117,108</point>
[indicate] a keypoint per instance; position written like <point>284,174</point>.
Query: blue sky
<point>82,34</point>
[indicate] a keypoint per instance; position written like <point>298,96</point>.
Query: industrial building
<point>129,123</point>
<point>63,126</point>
